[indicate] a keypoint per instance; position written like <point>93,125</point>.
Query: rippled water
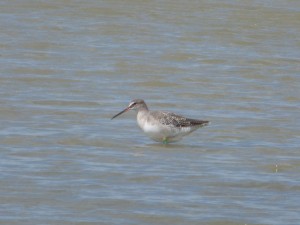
<point>68,66</point>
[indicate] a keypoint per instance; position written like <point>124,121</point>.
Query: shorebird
<point>162,126</point>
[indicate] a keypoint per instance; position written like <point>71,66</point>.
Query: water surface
<point>68,66</point>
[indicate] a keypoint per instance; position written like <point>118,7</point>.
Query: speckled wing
<point>175,120</point>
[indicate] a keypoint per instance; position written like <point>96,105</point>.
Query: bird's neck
<point>142,111</point>
<point>144,108</point>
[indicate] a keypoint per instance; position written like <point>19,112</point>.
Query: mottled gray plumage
<point>168,118</point>
<point>162,126</point>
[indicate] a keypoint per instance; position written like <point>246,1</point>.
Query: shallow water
<point>68,66</point>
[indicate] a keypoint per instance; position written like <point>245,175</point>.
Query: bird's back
<point>174,120</point>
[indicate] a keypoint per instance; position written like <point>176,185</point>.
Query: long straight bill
<point>125,110</point>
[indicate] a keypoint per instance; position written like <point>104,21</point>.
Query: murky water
<point>68,66</point>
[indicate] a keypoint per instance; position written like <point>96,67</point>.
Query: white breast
<point>151,128</point>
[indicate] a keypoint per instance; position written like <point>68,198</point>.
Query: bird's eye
<point>132,105</point>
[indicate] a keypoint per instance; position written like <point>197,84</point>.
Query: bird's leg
<point>165,141</point>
